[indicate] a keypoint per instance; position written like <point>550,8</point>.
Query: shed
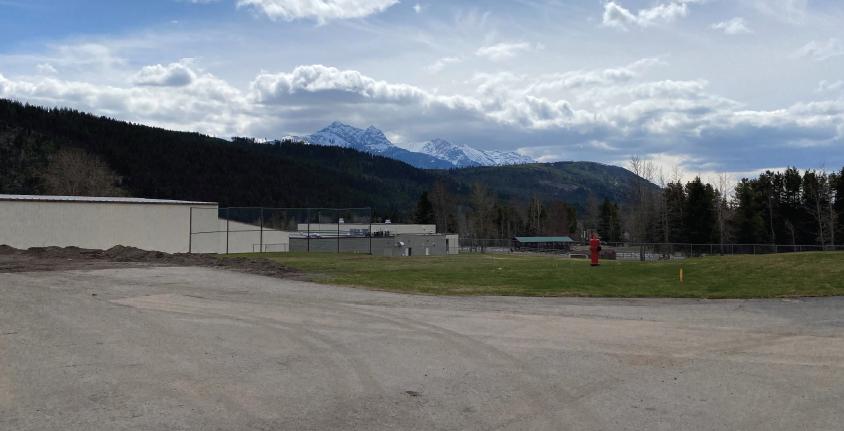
<point>98,222</point>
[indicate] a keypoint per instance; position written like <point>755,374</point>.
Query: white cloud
<point>441,63</point>
<point>790,11</point>
<point>417,8</point>
<point>320,10</point>
<point>733,27</point>
<point>503,51</point>
<point>46,69</point>
<point>820,51</point>
<point>830,86</point>
<point>601,114</point>
<point>208,105</point>
<point>171,75</point>
<point>592,78</point>
<point>619,17</point>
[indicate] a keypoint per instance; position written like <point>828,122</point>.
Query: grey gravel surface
<point>178,348</point>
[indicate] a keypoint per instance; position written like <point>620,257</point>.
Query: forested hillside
<point>143,161</point>
<point>571,182</point>
<point>62,151</point>
<point>152,162</point>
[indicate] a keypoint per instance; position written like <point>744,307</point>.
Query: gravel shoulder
<point>194,348</point>
<point>70,258</point>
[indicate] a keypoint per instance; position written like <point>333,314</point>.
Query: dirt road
<point>178,348</point>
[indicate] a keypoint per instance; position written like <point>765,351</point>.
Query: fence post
<point>261,239</point>
<point>308,240</point>
<point>190,231</point>
<point>227,229</point>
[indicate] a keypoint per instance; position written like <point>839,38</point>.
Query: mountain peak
<point>462,155</point>
<point>437,153</point>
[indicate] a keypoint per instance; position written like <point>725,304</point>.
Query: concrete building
<point>396,245</point>
<point>197,227</point>
<point>377,228</point>
<point>101,222</point>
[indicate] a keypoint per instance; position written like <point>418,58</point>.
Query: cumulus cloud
<point>601,114</point>
<point>503,51</point>
<point>208,105</point>
<point>320,10</point>
<point>171,75</point>
<point>820,50</point>
<point>592,78</point>
<point>619,17</point>
<point>733,26</point>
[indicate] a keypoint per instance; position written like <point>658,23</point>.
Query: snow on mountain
<point>462,155</point>
<point>435,154</point>
<point>373,141</point>
<point>500,158</point>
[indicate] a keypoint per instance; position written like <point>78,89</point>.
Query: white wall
<point>453,243</point>
<point>248,238</point>
<point>95,225</point>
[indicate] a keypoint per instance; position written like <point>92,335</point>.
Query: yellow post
<point>682,280</point>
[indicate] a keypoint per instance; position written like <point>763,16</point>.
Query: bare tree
<point>644,199</point>
<point>73,172</point>
<point>482,206</point>
<point>724,186</point>
<point>444,207</point>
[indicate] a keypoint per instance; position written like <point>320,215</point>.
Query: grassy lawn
<point>800,274</point>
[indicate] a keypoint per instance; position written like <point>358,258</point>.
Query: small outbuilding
<point>542,243</point>
<point>99,222</point>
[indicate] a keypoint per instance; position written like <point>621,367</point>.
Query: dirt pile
<point>61,258</point>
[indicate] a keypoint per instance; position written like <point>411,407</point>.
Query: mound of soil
<point>62,258</point>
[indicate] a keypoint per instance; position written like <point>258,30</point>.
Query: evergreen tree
<point>424,210</point>
<point>838,206</point>
<point>748,221</point>
<point>700,216</point>
<point>674,219</point>
<point>609,222</point>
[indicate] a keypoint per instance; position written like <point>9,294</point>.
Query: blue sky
<point>704,86</point>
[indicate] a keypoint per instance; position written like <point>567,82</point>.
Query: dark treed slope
<point>159,163</point>
<point>571,182</point>
<point>153,162</point>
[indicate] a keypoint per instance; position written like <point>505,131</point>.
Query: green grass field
<point>783,275</point>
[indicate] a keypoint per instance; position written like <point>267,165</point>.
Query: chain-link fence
<point>251,230</point>
<point>635,251</point>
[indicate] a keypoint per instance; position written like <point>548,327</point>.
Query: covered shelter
<point>542,243</point>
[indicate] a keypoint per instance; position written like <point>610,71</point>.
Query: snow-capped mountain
<point>435,154</point>
<point>338,134</point>
<point>461,155</point>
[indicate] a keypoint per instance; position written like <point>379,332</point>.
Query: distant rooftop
<point>95,199</point>
<point>542,239</point>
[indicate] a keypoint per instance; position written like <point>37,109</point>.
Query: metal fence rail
<point>257,229</point>
<point>643,251</point>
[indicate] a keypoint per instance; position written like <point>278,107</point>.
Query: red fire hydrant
<point>595,250</point>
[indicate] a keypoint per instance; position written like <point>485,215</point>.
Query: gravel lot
<point>187,348</point>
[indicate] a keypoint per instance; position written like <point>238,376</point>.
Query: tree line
<point>785,208</point>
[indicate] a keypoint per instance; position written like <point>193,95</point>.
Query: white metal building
<point>98,222</point>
